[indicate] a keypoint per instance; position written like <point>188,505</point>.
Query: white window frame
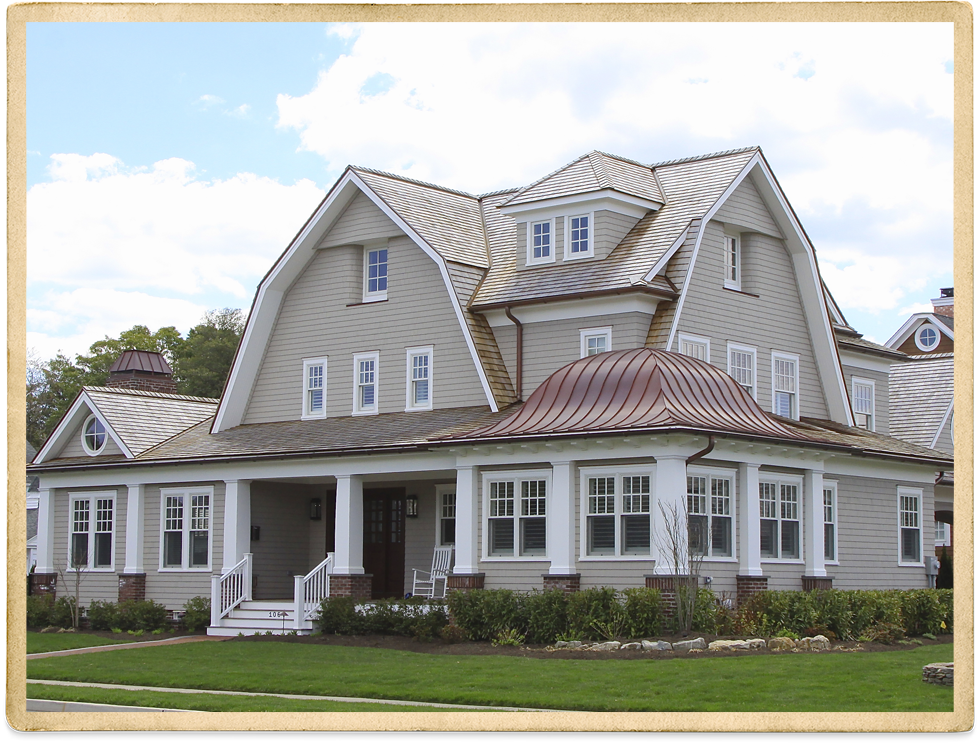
<point>374,356</point>
<point>568,254</point>
<point>517,477</point>
<point>783,480</point>
<point>927,326</point>
<point>831,487</point>
<point>733,268</point>
<point>708,474</point>
<point>693,340</point>
<point>942,534</point>
<point>308,412</point>
<point>795,359</point>
<point>754,392</point>
<point>410,354</point>
<point>586,333</point>
<point>441,491</point>
<point>186,492</point>
<point>531,260</point>
<point>375,296</point>
<point>105,440</point>
<point>855,382</point>
<point>907,491</point>
<point>91,529</point>
<point>617,474</point>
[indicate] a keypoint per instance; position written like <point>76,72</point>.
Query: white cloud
<point>73,167</point>
<point>870,283</point>
<point>241,111</point>
<point>210,100</point>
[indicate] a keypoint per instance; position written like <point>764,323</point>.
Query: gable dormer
<point>582,211</point>
<point>928,332</point>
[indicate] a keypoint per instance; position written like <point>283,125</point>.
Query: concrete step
<point>229,630</point>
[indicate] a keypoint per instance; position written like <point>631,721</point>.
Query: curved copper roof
<point>141,361</point>
<point>638,389</point>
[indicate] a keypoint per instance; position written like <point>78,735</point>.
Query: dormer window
<point>375,274</point>
<point>94,436</point>
<point>540,242</point>
<point>579,237</point>
<point>927,337</point>
<point>733,263</point>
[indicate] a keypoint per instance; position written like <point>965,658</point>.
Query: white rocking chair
<point>432,583</point>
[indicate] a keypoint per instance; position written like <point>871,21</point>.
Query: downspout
<point>941,476</point>
<point>519,366</point>
<point>702,453</point>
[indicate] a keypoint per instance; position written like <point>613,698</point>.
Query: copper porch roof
<point>638,389</point>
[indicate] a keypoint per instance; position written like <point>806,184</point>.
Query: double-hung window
<point>863,392</point>
<point>943,537</point>
<point>617,507</point>
<point>696,348</point>
<point>418,396</point>
<point>709,514</point>
<point>540,242</point>
<point>741,366</point>
<point>314,388</point>
<point>446,515</point>
<point>366,383</point>
<point>375,274</point>
<point>595,341</point>
<point>733,262</point>
<point>516,513</point>
<point>578,237</point>
<point>829,522</point>
<point>779,512</point>
<point>92,531</point>
<point>785,385</point>
<point>909,526</point>
<point>186,528</point>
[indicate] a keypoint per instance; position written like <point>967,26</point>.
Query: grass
<point>50,641</point>
<point>885,681</point>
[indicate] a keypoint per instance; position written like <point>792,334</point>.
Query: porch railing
<point>231,589</point>
<point>309,590</point>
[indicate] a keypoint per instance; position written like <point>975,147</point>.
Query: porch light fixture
<point>316,508</point>
<point>412,506</point>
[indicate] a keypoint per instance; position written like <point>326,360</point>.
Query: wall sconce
<point>412,506</point>
<point>254,535</point>
<point>316,508</point>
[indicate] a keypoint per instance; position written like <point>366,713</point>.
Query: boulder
<point>814,643</point>
<point>51,628</point>
<point>781,643</point>
<point>567,645</point>
<point>658,645</point>
<point>756,644</point>
<point>631,646</point>
<point>686,645</point>
<point>726,645</point>
<point>611,645</point>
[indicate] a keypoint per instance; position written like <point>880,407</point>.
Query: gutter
<point>520,353</point>
<point>652,291</point>
<point>700,454</point>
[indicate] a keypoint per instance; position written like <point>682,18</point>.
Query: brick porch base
<point>132,587</point>
<point>564,583</point>
<point>44,583</point>
<point>465,582</point>
<point>350,586</point>
<point>817,583</point>
<point>746,585</point>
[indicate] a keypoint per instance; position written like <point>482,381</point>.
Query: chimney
<point>142,370</point>
<point>944,304</point>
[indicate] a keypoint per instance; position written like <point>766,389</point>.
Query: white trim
<point>926,326</point>
<point>855,381</point>
<point>683,338</point>
<point>186,492</point>
<point>909,491</point>
<point>940,539</point>
<point>708,473</point>
<point>575,309</point>
<point>796,377</point>
<point>567,254</point>
<point>306,412</point>
<point>913,322</point>
<point>597,200</point>
<point>105,441</point>
<point>785,479</point>
<point>585,333</point>
<point>755,365</point>
<point>617,472</point>
<point>736,282</point>
<point>93,498</point>
<point>517,476</point>
<point>373,296</point>
<point>677,244</point>
<point>410,404</point>
<point>374,356</point>
<point>942,425</point>
<point>831,485</point>
<point>440,490</point>
<point>552,244</point>
<point>73,420</point>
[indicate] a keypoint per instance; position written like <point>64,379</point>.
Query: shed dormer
<point>583,210</point>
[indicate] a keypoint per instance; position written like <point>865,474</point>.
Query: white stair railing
<point>309,590</point>
<point>231,589</point>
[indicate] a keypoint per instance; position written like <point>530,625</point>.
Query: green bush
<point>197,613</point>
<point>596,614</point>
<point>344,616</point>
<point>339,616</point>
<point>644,609</point>
<point>61,615</point>
<point>145,615</point>
<point>547,615</point>
<point>484,613</point>
<point>39,610</point>
<point>707,611</point>
<point>102,615</point>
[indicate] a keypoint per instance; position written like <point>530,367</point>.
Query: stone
<point>814,643</point>
<point>728,645</point>
<point>658,645</point>
<point>781,643</point>
<point>50,628</point>
<point>568,645</point>
<point>631,646</point>
<point>938,673</point>
<point>611,645</point>
<point>686,645</point>
<point>756,644</point>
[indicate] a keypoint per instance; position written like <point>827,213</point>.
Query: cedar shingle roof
<point>920,391</point>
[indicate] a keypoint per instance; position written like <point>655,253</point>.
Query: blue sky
<point>169,164</point>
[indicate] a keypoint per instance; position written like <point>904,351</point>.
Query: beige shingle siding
<point>745,208</point>
<point>361,221</point>
<point>73,446</point>
<point>920,392</point>
<point>880,379</point>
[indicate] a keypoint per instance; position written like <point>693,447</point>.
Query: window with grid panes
<point>541,245</point>
<point>314,387</point>
<point>830,524</point>
<point>779,511</point>
<point>173,531</point>
<point>366,383</point>
<point>187,529</point>
<point>864,404</point>
<point>709,510</point>
<point>579,236</point>
<point>636,515</point>
<point>501,517</point>
<point>784,387</point>
<point>447,518</point>
<point>733,263</point>
<point>910,528</point>
<point>532,520</point>
<point>375,274</point>
<point>696,348</point>
<point>91,541</point>
<point>741,366</point>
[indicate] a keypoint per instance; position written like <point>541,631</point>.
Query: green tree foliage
<point>200,364</point>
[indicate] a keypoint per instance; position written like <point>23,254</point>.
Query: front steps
<point>259,618</point>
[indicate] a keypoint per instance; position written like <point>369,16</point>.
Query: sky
<point>169,165</point>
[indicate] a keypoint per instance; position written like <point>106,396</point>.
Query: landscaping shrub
<point>140,615</point>
<point>102,615</point>
<point>453,634</point>
<point>339,616</point>
<point>39,610</point>
<point>547,615</point>
<point>61,615</point>
<point>644,609</point>
<point>707,611</point>
<point>596,614</point>
<point>197,613</point>
<point>344,616</point>
<point>484,613</point>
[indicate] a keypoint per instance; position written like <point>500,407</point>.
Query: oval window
<point>93,436</point>
<point>927,337</point>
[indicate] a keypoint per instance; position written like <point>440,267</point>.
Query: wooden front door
<point>384,541</point>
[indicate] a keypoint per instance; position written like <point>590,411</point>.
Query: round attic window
<point>93,436</point>
<point>927,337</point>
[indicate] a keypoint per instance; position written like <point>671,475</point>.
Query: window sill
<point>310,417</point>
<point>530,263</point>
<point>828,563</point>
<point>86,570</point>
<point>912,564</point>
<point>739,291</point>
<point>417,409</point>
<point>620,558</point>
<point>782,561</point>
<point>542,559</point>
<point>367,301</point>
<point>573,258</point>
<point>196,570</point>
<point>364,413</point>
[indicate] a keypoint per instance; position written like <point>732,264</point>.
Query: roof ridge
<point>498,192</point>
<point>941,355</point>
<point>705,156</point>
<point>150,394</point>
<point>524,189</point>
<point>382,173</point>
<point>622,158</point>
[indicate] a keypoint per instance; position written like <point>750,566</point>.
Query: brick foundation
<point>465,582</point>
<point>817,583</point>
<point>132,587</point>
<point>44,583</point>
<point>746,585</point>
<point>350,586</point>
<point>564,583</point>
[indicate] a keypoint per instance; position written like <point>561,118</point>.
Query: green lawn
<point>789,682</point>
<point>47,642</point>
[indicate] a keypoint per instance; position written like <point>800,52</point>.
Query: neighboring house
<point>33,495</point>
<point>530,376</point>
<point>922,397</point>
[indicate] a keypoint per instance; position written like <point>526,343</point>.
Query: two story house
<point>539,377</point>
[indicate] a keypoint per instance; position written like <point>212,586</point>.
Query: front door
<point>384,541</point>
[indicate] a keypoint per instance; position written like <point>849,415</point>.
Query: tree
<point>206,356</point>
<point>684,545</point>
<point>102,354</point>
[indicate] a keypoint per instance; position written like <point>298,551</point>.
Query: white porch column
<point>466,521</point>
<point>672,495</point>
<point>561,519</point>
<point>238,519</point>
<point>749,529</point>
<point>134,529</point>
<point>813,524</point>
<point>349,538</point>
<point>45,533</point>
